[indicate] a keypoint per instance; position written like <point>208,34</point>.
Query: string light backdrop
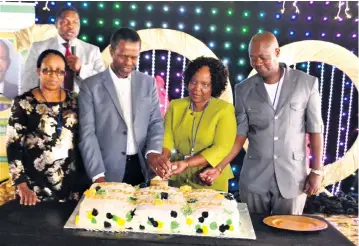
<point>226,27</point>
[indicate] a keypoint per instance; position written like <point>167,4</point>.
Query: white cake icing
<point>158,209</point>
<point>107,204</point>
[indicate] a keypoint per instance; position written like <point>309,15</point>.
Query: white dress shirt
<point>2,87</point>
<point>123,89</point>
<point>273,91</point>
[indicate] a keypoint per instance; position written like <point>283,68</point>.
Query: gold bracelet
<point>219,169</point>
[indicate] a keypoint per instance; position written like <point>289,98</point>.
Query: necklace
<point>194,134</point>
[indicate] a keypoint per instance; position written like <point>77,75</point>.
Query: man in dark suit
<point>6,88</point>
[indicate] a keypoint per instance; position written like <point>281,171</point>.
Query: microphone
<point>73,50</point>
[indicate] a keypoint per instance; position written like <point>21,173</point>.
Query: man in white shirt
<point>275,109</point>
<point>121,127</point>
<point>8,89</point>
<point>83,59</point>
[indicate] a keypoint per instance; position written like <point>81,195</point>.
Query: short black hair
<point>45,53</point>
<point>126,34</point>
<point>219,73</point>
<point>2,42</point>
<point>65,9</point>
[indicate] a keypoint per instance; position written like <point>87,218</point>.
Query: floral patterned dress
<point>39,154</point>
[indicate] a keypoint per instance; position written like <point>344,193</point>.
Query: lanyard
<point>194,136</point>
<point>58,117</point>
<point>275,96</point>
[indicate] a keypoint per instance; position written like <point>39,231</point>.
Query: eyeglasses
<point>201,85</point>
<point>48,71</point>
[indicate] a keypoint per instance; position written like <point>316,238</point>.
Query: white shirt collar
<point>61,41</point>
<point>114,76</point>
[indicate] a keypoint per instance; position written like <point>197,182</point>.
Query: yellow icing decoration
<point>160,224</point>
<point>219,196</point>
<point>90,192</point>
<point>158,202</point>
<point>231,227</point>
<point>77,219</point>
<point>189,221</point>
<point>205,229</point>
<point>120,222</point>
<point>89,215</point>
<point>185,188</point>
<point>157,178</point>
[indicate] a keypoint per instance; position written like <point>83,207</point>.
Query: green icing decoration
<point>132,199</point>
<point>213,226</point>
<point>114,217</point>
<point>229,222</point>
<point>187,210</point>
<point>93,221</point>
<point>192,200</point>
<point>158,196</point>
<point>198,226</point>
<point>128,216</point>
<point>149,222</point>
<point>101,192</point>
<point>174,225</point>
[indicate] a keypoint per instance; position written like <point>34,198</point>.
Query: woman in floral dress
<point>42,134</point>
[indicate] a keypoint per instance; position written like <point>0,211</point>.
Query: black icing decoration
<point>226,227</point>
<point>153,222</point>
<point>199,230</point>
<point>97,188</point>
<point>109,216</point>
<point>132,213</point>
<point>164,195</point>
<point>205,214</point>
<point>222,228</point>
<point>94,212</point>
<point>106,224</point>
<point>144,184</point>
<point>142,227</point>
<point>173,214</point>
<point>229,196</point>
<point>129,228</point>
<point>201,219</point>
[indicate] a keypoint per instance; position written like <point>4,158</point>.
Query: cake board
<point>247,230</point>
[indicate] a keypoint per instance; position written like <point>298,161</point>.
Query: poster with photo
<point>11,64</point>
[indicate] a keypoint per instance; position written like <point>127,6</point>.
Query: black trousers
<point>133,171</point>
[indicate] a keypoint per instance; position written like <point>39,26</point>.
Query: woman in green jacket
<point>200,129</point>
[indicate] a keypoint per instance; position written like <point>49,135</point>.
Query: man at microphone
<point>83,59</point>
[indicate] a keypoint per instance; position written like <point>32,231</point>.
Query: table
<point>43,225</point>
